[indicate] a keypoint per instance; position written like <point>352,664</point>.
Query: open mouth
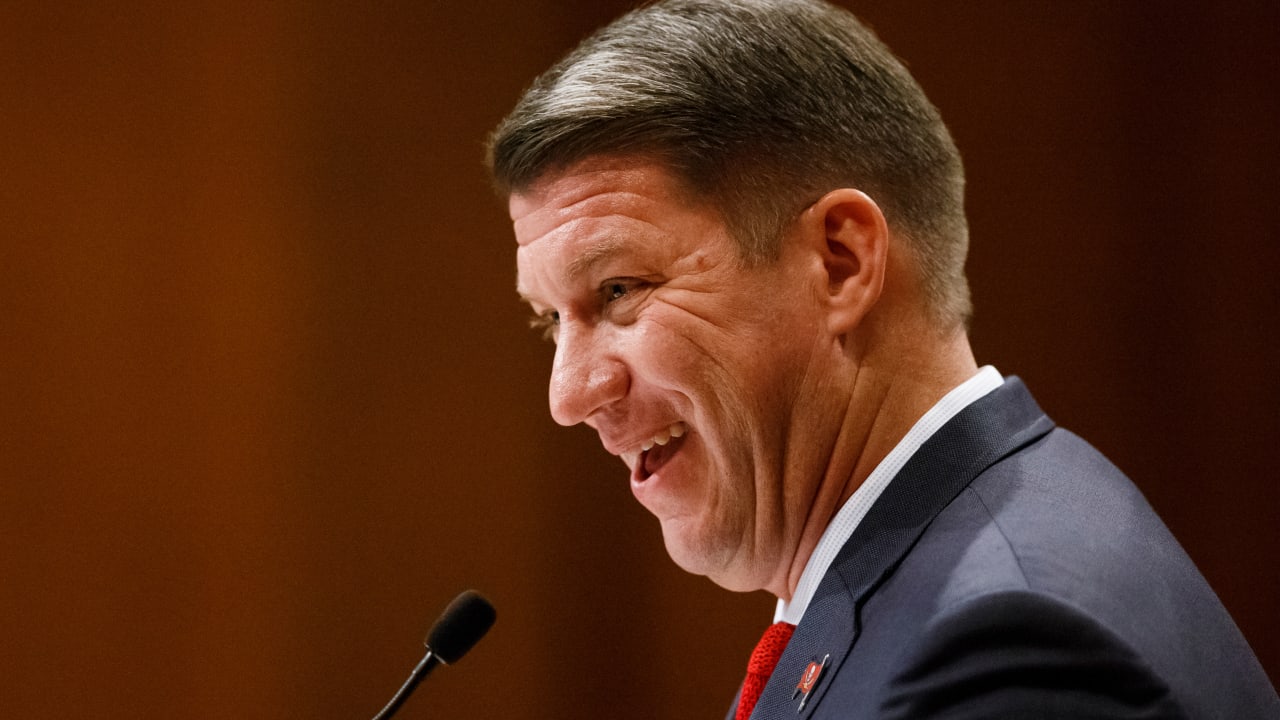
<point>660,450</point>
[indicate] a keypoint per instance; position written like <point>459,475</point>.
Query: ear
<point>848,231</point>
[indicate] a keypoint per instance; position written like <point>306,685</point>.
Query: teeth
<point>662,437</point>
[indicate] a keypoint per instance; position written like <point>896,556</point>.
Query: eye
<point>622,299</point>
<point>615,290</point>
<point>546,323</point>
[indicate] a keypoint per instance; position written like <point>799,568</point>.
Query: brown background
<point>267,400</point>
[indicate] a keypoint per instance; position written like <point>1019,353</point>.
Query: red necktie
<point>763,660</point>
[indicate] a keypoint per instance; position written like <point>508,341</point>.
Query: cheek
<point>688,359</point>
<point>728,378</point>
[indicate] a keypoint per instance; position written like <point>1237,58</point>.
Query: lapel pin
<point>808,680</point>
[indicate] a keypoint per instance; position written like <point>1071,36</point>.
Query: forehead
<point>603,209</point>
<point>595,187</point>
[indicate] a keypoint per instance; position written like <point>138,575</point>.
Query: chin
<point>711,557</point>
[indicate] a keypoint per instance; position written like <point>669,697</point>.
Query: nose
<point>586,376</point>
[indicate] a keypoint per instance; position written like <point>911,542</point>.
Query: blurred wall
<point>268,401</point>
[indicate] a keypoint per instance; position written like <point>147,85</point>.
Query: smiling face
<point>693,367</point>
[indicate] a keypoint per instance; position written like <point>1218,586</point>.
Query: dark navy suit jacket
<point>1010,571</point>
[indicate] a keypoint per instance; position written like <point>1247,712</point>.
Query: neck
<point>886,397</point>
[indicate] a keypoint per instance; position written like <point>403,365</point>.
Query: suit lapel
<point>994,426</point>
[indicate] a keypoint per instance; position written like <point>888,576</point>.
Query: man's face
<point>691,366</point>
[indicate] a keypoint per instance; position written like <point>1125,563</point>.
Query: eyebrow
<point>593,256</point>
<point>583,263</point>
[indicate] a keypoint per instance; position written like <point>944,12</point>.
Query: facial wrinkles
<point>588,333</point>
<point>737,415</point>
<point>704,339</point>
<point>697,282</point>
<point>754,457</point>
<point>827,425</point>
<point>790,463</point>
<point>784,454</point>
<point>687,350</point>
<point>587,193</point>
<point>556,264</point>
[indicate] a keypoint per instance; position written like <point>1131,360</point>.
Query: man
<point>742,224</point>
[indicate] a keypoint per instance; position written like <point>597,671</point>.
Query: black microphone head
<point>461,626</point>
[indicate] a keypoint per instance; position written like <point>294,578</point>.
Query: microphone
<point>459,628</point>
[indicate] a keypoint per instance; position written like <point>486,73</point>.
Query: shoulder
<point>1023,654</point>
<point>1049,585</point>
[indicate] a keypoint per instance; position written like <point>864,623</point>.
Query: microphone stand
<point>428,663</point>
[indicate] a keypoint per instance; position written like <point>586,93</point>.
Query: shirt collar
<point>856,507</point>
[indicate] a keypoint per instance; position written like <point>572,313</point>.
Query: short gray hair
<point>760,106</point>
